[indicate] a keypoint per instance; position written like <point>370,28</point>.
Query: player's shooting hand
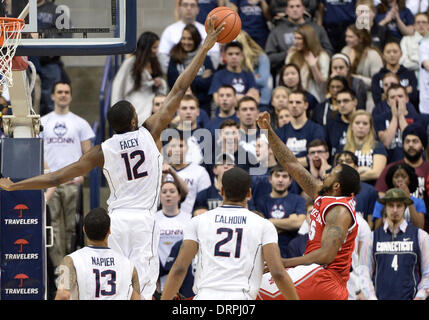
<point>264,121</point>
<point>212,32</point>
<point>6,184</point>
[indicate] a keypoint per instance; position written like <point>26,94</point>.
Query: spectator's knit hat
<point>418,130</point>
<point>395,194</point>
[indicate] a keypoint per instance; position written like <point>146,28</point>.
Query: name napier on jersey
<point>103,262</point>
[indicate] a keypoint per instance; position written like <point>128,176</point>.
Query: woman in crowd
<point>256,61</point>
<point>312,61</point>
<point>283,117</point>
<point>290,78</point>
<point>396,16</point>
<point>170,220</point>
<point>403,176</point>
<point>139,78</point>
<point>181,55</point>
<point>341,66</point>
<point>365,59</point>
<point>361,140</point>
<point>327,110</point>
<point>279,101</point>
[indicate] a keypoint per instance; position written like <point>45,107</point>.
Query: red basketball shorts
<point>312,282</point>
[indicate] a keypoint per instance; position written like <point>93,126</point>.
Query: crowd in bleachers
<point>343,81</point>
<point>339,78</point>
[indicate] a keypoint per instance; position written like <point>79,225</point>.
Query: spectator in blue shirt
<point>234,75</point>
<point>328,109</point>
<point>181,56</point>
<point>205,6</point>
<point>394,263</point>
<point>210,198</point>
<point>396,16</point>
<point>335,16</point>
<point>362,141</point>
<point>336,130</point>
<point>257,62</point>
<point>227,102</point>
<point>285,210</point>
<point>390,124</point>
<point>254,15</point>
<point>392,54</point>
<point>300,131</point>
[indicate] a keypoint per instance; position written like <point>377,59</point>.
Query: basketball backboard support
<point>79,27</point>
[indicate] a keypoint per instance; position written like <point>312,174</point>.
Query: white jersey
<point>230,240</point>
<point>102,274</point>
<point>170,232</point>
<point>133,169</point>
<point>197,179</point>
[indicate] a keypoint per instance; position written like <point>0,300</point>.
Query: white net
<point>10,38</point>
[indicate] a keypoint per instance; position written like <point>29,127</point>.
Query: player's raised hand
<point>264,121</point>
<point>5,184</point>
<point>212,32</point>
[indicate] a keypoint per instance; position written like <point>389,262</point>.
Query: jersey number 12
<point>134,173</point>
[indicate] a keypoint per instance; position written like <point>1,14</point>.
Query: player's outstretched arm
<point>271,253</point>
<point>136,286</point>
<point>67,280</point>
<point>178,271</point>
<point>287,159</point>
<point>160,120</point>
<point>337,222</point>
<point>93,158</point>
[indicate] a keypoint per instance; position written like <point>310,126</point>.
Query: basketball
<point>232,23</point>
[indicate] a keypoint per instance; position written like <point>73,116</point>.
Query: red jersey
<point>343,260</point>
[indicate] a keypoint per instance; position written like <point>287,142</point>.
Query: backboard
<point>74,27</point>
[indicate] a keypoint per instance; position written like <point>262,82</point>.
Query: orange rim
<point>10,25</point>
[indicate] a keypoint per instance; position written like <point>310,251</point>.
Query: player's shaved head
<point>236,184</point>
<point>96,224</point>
<point>120,115</point>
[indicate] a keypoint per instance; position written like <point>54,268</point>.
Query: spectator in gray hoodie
<point>281,38</point>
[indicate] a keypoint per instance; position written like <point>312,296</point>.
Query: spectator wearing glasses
<point>318,157</point>
<point>336,130</point>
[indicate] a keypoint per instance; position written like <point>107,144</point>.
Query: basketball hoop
<point>10,38</point>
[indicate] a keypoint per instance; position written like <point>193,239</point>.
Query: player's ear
<point>337,187</point>
<point>249,194</point>
<point>222,193</point>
